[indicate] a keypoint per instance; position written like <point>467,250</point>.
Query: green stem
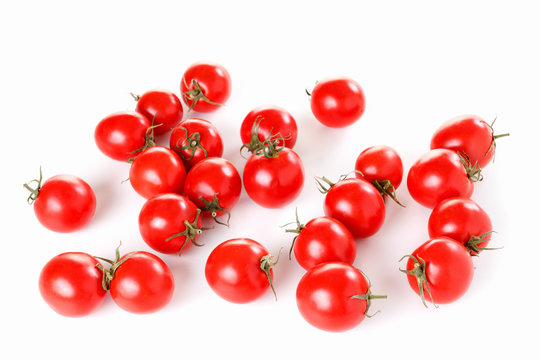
<point>195,93</point>
<point>213,207</point>
<point>419,272</point>
<point>299,228</point>
<point>34,192</point>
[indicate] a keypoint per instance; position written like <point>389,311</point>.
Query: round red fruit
<point>273,123</point>
<point>162,107</point>
<point>205,86</point>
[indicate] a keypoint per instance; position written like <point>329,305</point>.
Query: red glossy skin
<point>157,170</point>
<point>209,139</point>
<point>71,284</point>
<point>337,102</point>
<point>380,163</point>
<point>449,269</point>
<point>273,121</point>
<point>358,205</point>
<point>469,134</point>
<point>142,284</point>
<point>274,182</point>
<point>214,176</point>
<point>164,216</point>
<point>214,81</point>
<point>324,239</point>
<point>323,296</point>
<point>120,134</point>
<point>438,175</point>
<point>161,107</point>
<point>233,270</point>
<point>65,203</point>
<point>459,219</point>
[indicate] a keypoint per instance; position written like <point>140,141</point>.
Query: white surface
<point>66,65</point>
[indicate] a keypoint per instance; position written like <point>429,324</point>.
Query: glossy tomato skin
<point>438,175</point>
<point>120,134</point>
<point>65,203</point>
<point>161,107</point>
<point>157,170</point>
<point>323,296</point>
<point>208,138</point>
<point>357,204</point>
<point>274,120</point>
<point>214,81</point>
<point>233,270</point>
<point>163,216</point>
<point>213,176</point>
<point>274,182</point>
<point>380,163</point>
<point>337,102</point>
<point>324,239</point>
<point>449,269</point>
<point>71,284</point>
<point>468,134</point>
<point>142,284</point>
<point>460,219</point>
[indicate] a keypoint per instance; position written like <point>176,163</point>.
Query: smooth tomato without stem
<point>162,107</point>
<point>205,86</point>
<point>273,121</point>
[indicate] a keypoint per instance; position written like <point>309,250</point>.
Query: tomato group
<point>205,86</point>
<point>273,122</point>
<point>162,107</point>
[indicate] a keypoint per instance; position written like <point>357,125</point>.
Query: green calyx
<point>270,147</point>
<point>195,93</point>
<point>108,274</point>
<point>474,172</point>
<point>190,232</point>
<point>299,228</point>
<point>419,272</point>
<point>494,137</point>
<point>149,140</point>
<point>191,143</point>
<point>368,296</point>
<point>213,207</point>
<point>324,185</point>
<point>34,192</point>
<point>266,263</point>
<point>386,188</point>
<point>473,244</point>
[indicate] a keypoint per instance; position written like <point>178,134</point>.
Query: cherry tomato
<point>337,102</point>
<point>121,134</point>
<point>357,204</point>
<point>274,182</point>
<point>157,170</point>
<point>214,185</point>
<point>273,121</point>
<point>379,164</point>
<point>169,223</point>
<point>440,270</point>
<point>239,270</point>
<point>205,86</point>
<point>334,296</point>
<point>71,284</point>
<point>463,220</point>
<point>194,140</point>
<point>162,107</point>
<point>438,175</point>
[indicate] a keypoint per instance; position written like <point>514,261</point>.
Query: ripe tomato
<point>214,185</point>
<point>334,296</point>
<point>442,268</point>
<point>357,204</point>
<point>194,140</point>
<point>205,86</point>
<point>239,270</point>
<point>463,220</point>
<point>71,284</point>
<point>122,134</point>
<point>169,223</point>
<point>157,170</point>
<point>163,107</point>
<point>468,134</point>
<point>337,102</point>
<point>273,120</point>
<point>64,203</point>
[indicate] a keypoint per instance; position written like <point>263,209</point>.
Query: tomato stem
<point>473,243</point>
<point>149,140</point>
<point>192,143</point>
<point>474,172</point>
<point>190,232</point>
<point>368,296</point>
<point>108,274</point>
<point>270,147</point>
<point>419,272</point>
<point>34,192</point>
<point>195,93</point>
<point>299,228</point>
<point>267,262</point>
<point>494,137</point>
<point>135,97</point>
<point>213,207</point>
<point>385,187</point>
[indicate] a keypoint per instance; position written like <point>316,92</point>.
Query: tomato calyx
<point>266,263</point>
<point>108,274</point>
<point>368,296</point>
<point>386,188</point>
<point>473,244</point>
<point>192,142</point>
<point>149,140</point>
<point>270,147</point>
<point>474,172</point>
<point>324,184</point>
<point>135,96</point>
<point>190,232</point>
<point>213,207</point>
<point>299,228</point>
<point>419,272</point>
<point>494,137</point>
<point>34,192</point>
<point>195,93</point>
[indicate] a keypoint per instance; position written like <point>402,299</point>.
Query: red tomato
<point>440,270</point>
<point>64,203</point>
<point>463,220</point>
<point>337,102</point>
<point>162,107</point>
<point>334,296</point>
<point>71,284</point>
<point>239,270</point>
<point>274,182</point>
<point>214,185</point>
<point>438,175</point>
<point>122,134</point>
<point>273,121</point>
<point>357,204</point>
<point>142,283</point>
<point>468,134</point>
<point>194,140</point>
<point>157,170</point>
<point>169,223</point>
<point>205,86</point>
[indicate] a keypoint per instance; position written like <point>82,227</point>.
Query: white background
<point>66,65</point>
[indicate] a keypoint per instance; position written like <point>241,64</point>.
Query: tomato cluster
<point>190,180</point>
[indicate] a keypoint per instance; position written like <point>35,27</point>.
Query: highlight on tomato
<point>205,86</point>
<point>160,106</point>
